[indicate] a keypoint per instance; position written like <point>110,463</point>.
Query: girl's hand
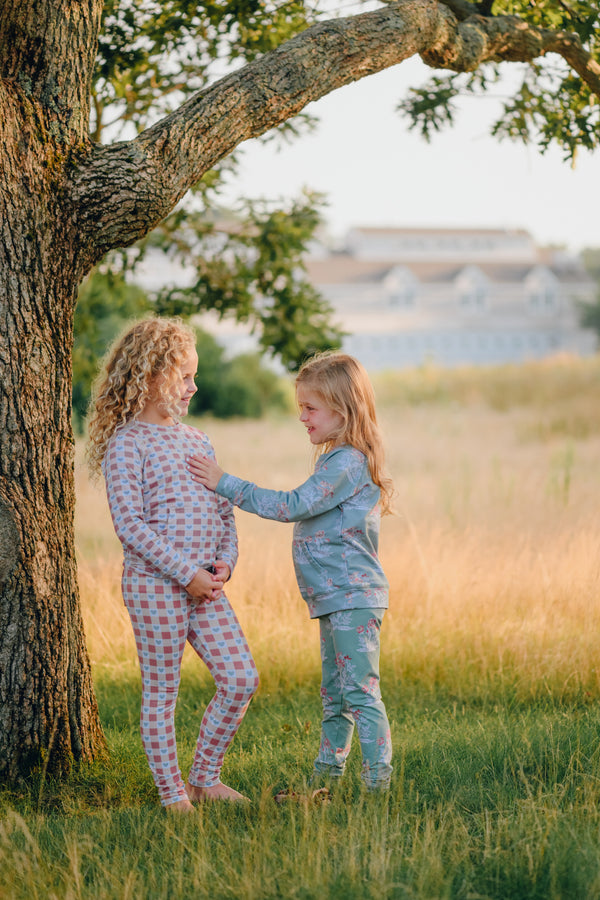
<point>204,586</point>
<point>204,470</point>
<point>223,570</point>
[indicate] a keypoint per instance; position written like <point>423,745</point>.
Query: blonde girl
<point>180,547</point>
<point>337,515</point>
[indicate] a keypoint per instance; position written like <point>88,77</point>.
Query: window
<point>400,286</point>
<point>542,291</point>
<point>472,299</point>
<point>543,300</point>
<point>403,298</point>
<point>471,287</point>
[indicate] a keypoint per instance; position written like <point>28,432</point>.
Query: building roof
<point>383,231</point>
<point>344,269</point>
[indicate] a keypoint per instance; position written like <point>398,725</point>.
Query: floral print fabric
<point>336,534</point>
<point>351,697</point>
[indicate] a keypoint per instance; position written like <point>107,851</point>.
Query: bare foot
<point>180,806</point>
<point>216,792</point>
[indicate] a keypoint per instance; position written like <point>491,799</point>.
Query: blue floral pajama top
<point>336,535</point>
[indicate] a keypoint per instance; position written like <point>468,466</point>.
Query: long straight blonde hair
<point>149,348</point>
<point>343,385</point>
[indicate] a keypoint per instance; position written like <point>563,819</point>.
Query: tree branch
<point>466,45</point>
<point>147,176</point>
<point>462,9</point>
<point>570,48</point>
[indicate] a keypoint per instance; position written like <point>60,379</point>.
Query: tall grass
<point>489,664</point>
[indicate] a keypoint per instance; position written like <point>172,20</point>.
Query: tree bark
<point>48,712</point>
<point>64,202</point>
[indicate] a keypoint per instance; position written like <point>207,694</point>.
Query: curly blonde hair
<point>343,385</point>
<point>151,347</point>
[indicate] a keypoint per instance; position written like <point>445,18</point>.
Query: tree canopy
<point>556,95</point>
<point>153,55</point>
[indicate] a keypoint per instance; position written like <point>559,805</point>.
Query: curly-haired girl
<point>180,547</point>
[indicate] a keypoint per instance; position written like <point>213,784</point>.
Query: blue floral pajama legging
<point>351,696</point>
<point>164,619</point>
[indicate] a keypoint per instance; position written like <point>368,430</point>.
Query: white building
<point>453,296</point>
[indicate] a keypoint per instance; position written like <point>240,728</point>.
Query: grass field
<point>490,655</point>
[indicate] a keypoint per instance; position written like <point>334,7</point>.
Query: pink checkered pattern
<point>163,619</point>
<point>168,524</point>
<point>169,527</point>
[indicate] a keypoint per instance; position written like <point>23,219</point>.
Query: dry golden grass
<point>493,556</point>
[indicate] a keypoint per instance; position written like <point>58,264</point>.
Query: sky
<point>375,172</point>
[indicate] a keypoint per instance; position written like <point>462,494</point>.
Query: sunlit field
<point>490,656</point>
<point>493,554</point>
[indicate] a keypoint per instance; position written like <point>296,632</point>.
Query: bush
<point>238,387</point>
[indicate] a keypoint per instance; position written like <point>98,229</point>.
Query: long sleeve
<point>123,472</point>
<point>334,481</point>
<point>228,545</point>
<point>337,515</point>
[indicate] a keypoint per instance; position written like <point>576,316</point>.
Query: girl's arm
<point>227,551</point>
<point>228,545</point>
<point>334,481</point>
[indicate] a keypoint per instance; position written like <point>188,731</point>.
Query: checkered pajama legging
<point>163,619</point>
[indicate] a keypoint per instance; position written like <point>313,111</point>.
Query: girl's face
<point>321,422</point>
<point>181,389</point>
<point>183,386</point>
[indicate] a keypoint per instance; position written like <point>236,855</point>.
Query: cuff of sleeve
<point>186,573</point>
<point>230,562</point>
<point>226,485</point>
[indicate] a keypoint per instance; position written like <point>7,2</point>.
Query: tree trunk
<point>48,712</point>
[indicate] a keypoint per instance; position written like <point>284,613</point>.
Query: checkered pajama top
<point>168,524</point>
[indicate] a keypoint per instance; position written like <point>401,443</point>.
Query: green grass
<point>491,798</point>
<point>490,678</point>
